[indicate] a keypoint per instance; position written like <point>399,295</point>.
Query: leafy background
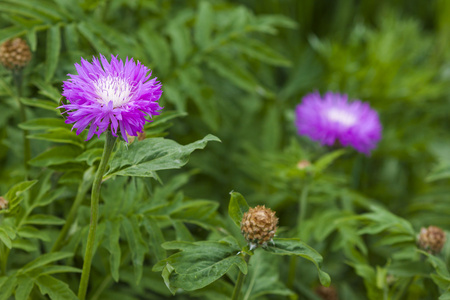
<point>234,69</point>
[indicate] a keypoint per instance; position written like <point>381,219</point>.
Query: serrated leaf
<point>53,49</point>
<point>54,288</point>
<point>43,123</point>
<point>156,237</point>
<point>44,260</point>
<point>299,248</point>
<point>149,155</point>
<point>56,156</point>
<point>136,244</point>
<point>24,286</point>
<point>7,288</point>
<point>237,207</point>
<point>113,246</point>
<point>198,264</point>
<point>204,24</point>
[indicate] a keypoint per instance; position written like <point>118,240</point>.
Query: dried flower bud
<point>303,164</point>
<point>3,203</point>
<point>258,226</point>
<point>431,239</point>
<point>15,54</point>
<point>327,293</point>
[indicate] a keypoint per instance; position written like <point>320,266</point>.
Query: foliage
<point>232,72</point>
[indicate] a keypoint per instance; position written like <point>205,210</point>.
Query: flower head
<point>334,119</point>
<point>258,226</point>
<point>111,95</point>
<point>15,54</point>
<point>431,239</point>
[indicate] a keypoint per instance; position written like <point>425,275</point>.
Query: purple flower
<point>111,95</point>
<point>334,119</point>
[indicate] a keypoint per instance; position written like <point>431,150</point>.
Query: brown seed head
<point>3,203</point>
<point>15,54</point>
<point>327,293</point>
<point>431,239</point>
<point>258,225</point>
<point>303,164</point>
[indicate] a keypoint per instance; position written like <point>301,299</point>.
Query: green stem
<point>240,281</point>
<point>302,206</point>
<point>291,272</point>
<point>17,76</point>
<point>81,193</point>
<point>107,150</point>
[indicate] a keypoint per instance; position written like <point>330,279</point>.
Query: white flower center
<point>341,116</point>
<point>113,89</point>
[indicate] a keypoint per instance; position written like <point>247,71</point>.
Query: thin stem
<point>81,193</point>
<point>17,76</point>
<point>291,272</point>
<point>107,150</point>
<point>240,281</point>
<point>302,206</point>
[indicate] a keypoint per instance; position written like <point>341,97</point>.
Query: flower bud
<point>15,54</point>
<point>3,203</point>
<point>327,292</point>
<point>431,239</point>
<point>303,164</point>
<point>258,226</point>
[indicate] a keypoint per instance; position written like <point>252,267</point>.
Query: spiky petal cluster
<point>15,54</point>
<point>110,96</point>
<point>431,239</point>
<point>334,119</point>
<point>258,226</point>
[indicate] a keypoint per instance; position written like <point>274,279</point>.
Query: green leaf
<point>24,286</point>
<point>441,171</point>
<point>7,288</point>
<point>198,264</point>
<point>44,220</point>
<point>59,135</point>
<point>56,156</point>
<point>157,47</point>
<point>204,24</point>
<point>30,232</point>
<point>25,245</point>
<point>44,260</point>
<point>5,238</point>
<point>322,163</point>
<point>181,43</point>
<point>156,237</point>
<point>237,207</point>
<point>45,104</point>
<point>43,123</point>
<point>90,156</point>
<point>96,41</point>
<point>10,32</point>
<point>149,155</point>
<point>55,288</point>
<point>261,51</point>
<point>136,244</point>
<point>234,72</point>
<point>53,49</point>
<point>113,246</point>
<point>14,195</point>
<point>299,248</point>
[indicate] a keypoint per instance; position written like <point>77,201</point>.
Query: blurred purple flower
<point>334,119</point>
<point>115,95</point>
